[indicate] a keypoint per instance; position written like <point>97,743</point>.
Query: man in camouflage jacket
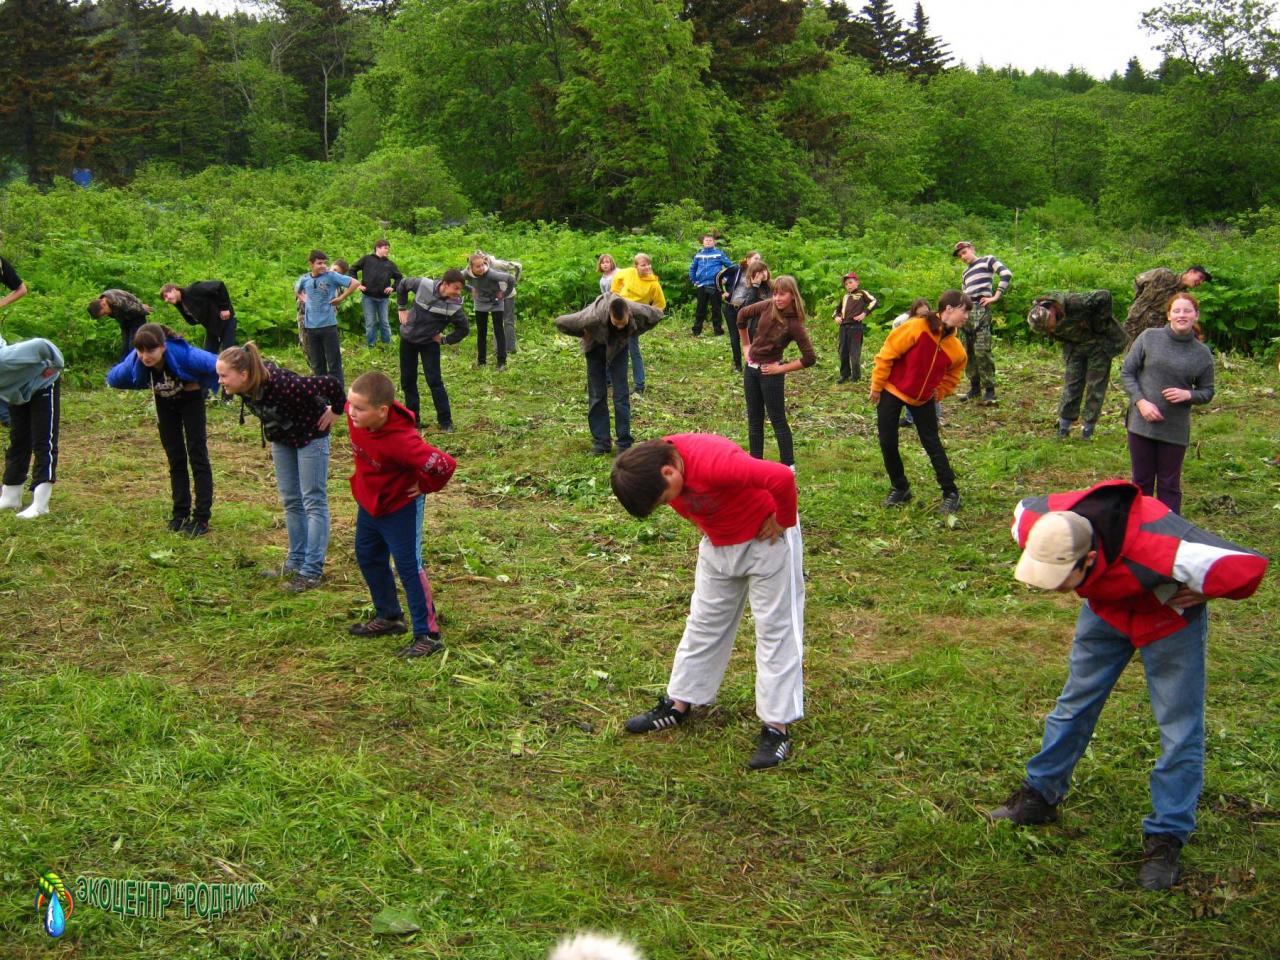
<point>1151,293</point>
<point>1090,336</point>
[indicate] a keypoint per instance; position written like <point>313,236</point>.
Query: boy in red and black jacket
<point>395,467</point>
<point>1145,575</point>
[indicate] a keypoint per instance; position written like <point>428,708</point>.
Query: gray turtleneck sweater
<point>1158,359</point>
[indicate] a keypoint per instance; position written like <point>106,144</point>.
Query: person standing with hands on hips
<point>979,275</point>
<point>379,274</point>
<point>320,291</point>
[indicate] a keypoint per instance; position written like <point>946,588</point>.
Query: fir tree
<point>926,56</point>
<point>747,39</point>
<point>887,37</point>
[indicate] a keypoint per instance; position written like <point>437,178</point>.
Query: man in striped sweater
<point>979,286</point>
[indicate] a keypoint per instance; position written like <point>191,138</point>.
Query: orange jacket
<point>915,364</point>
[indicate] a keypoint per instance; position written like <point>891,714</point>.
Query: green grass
<point>166,715</point>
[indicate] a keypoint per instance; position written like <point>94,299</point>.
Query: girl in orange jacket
<point>920,362</point>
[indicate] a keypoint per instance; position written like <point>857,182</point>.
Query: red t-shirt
<point>727,493</point>
<point>394,464</point>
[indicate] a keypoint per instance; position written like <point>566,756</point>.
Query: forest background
<point>558,128</point>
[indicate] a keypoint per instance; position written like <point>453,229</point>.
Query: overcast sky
<point>1097,35</point>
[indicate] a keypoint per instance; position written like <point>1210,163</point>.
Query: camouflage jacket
<point>1152,291</point>
<point>1086,318</point>
<point>125,304</point>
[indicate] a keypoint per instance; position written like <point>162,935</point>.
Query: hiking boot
<point>301,584</point>
<point>1064,429</point>
<point>989,397</point>
<point>424,645</point>
<point>973,393</point>
<point>950,503</point>
<point>1159,870</point>
<point>176,524</point>
<point>662,717</point>
<point>1026,806</point>
<point>1087,431</point>
<point>897,498</point>
<point>773,748</point>
<point>274,573</point>
<point>378,627</point>
<point>195,528</point>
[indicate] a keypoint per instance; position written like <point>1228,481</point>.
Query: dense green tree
<point>924,54</point>
<point>888,37</point>
<point>748,42</point>
<point>53,71</point>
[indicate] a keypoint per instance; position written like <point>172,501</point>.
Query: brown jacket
<point>774,333</point>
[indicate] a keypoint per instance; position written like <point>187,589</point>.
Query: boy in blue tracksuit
<point>706,266</point>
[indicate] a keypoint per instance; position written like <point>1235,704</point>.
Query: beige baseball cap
<point>1056,543</point>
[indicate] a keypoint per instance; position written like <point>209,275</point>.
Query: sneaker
<point>501,367</point>
<point>903,423</point>
<point>1159,870</point>
<point>301,584</point>
<point>661,717</point>
<point>1025,806</point>
<point>897,498</point>
<point>446,428</point>
<point>423,645</point>
<point>989,397</point>
<point>773,748</point>
<point>638,388</point>
<point>195,528</point>
<point>177,523</point>
<point>950,503</point>
<point>1064,431</point>
<point>600,450</point>
<point>1087,431</point>
<point>273,573</point>
<point>842,380</point>
<point>378,627</point>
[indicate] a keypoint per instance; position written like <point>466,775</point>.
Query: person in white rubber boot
<point>29,383</point>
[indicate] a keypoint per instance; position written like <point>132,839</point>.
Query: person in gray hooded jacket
<point>29,383</point>
<point>488,295</point>
<point>606,327</point>
<point>437,307</point>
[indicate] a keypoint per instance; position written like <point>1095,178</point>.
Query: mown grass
<point>166,715</point>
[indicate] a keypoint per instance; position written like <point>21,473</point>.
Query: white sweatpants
<point>772,575</point>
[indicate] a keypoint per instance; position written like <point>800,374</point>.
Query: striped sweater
<point>979,274</point>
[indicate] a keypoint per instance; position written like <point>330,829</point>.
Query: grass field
<point>166,715</point>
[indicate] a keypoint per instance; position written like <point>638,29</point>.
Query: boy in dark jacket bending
<point>437,307</point>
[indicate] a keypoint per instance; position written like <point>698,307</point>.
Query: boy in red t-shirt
<point>751,549</point>
<point>394,468</point>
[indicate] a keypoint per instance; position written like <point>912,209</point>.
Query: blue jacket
<point>707,262</point>
<point>187,363</point>
<point>22,369</point>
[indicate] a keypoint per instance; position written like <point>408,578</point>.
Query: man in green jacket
<point>1090,336</point>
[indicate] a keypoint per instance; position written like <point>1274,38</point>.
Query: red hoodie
<point>1145,552</point>
<point>394,464</point>
<point>727,493</point>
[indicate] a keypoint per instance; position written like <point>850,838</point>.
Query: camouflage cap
<point>1040,317</point>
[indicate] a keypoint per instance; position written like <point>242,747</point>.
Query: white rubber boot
<point>10,497</point>
<point>39,502</point>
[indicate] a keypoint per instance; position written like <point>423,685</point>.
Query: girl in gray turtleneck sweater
<point>1166,371</point>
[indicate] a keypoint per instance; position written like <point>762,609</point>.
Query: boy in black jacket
<point>205,303</point>
<point>380,276</point>
<point>437,306</point>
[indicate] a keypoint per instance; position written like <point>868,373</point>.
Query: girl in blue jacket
<point>178,374</point>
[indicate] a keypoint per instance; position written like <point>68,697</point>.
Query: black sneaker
<point>600,450</point>
<point>973,394</point>
<point>661,717</point>
<point>378,627</point>
<point>950,503</point>
<point>1159,870</point>
<point>1026,806</point>
<point>773,748</point>
<point>989,397</point>
<point>422,646</point>
<point>195,528</point>
<point>177,523</point>
<point>842,380</point>
<point>897,498</point>
<point>446,428</point>
<point>301,584</point>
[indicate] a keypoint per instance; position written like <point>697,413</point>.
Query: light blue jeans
<point>302,476</point>
<point>1175,669</point>
<point>375,320</point>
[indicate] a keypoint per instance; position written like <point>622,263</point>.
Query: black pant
<point>850,345</point>
<point>712,296</point>
<point>482,335</point>
<point>128,327</point>
<point>217,339</point>
<point>33,429</point>
<point>735,340</point>
<point>324,353</point>
<point>430,354</point>
<point>766,393</point>
<point>182,433</point>
<point>925,418</point>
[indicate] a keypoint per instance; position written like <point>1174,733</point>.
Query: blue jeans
<point>1175,669</point>
<point>600,374</point>
<point>637,363</point>
<point>398,535</point>
<point>302,476</point>
<point>375,320</point>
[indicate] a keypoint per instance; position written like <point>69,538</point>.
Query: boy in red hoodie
<point>751,549</point>
<point>394,468</point>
